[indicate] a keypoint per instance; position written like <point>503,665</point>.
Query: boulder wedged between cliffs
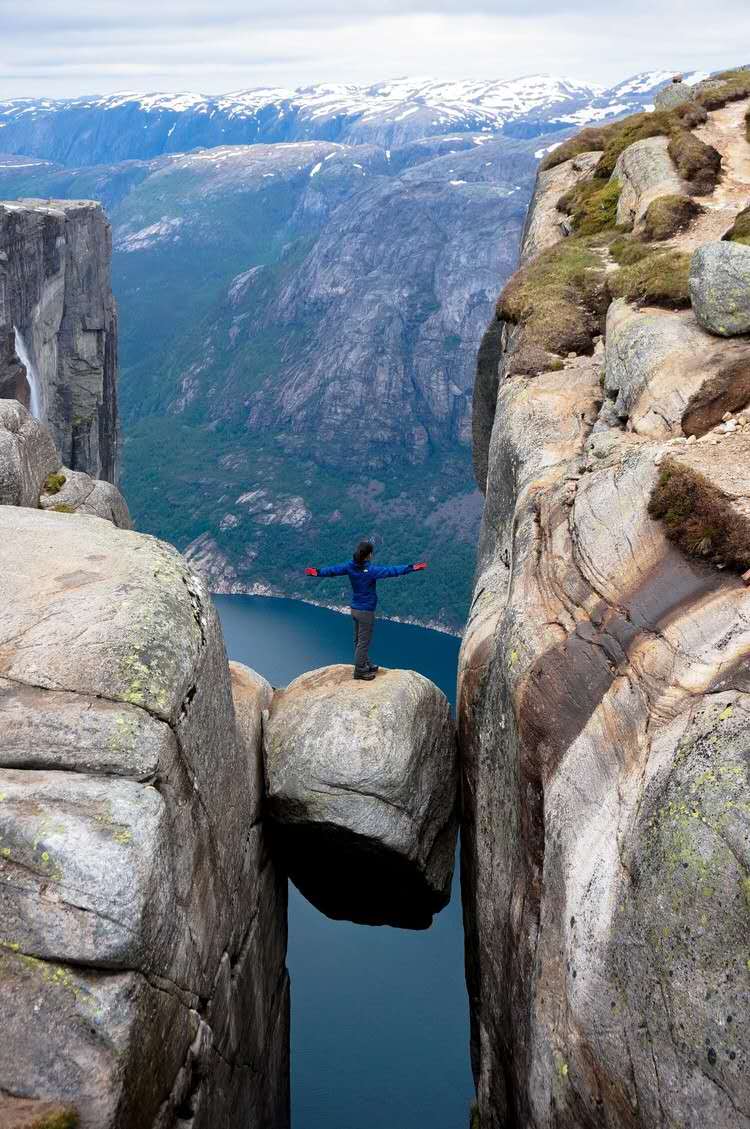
<point>361,785</point>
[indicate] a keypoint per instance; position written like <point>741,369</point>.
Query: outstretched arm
<point>329,570</point>
<point>382,572</point>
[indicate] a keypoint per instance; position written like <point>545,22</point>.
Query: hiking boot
<point>374,669</point>
<point>363,675</point>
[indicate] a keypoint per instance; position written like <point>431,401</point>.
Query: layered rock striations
<point>604,688</point>
<point>362,787</point>
<point>58,326</point>
<point>144,923</point>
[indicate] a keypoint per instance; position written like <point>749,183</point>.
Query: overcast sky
<point>91,46</point>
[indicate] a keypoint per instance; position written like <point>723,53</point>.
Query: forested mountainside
<point>300,320</point>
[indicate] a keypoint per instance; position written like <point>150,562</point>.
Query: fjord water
<point>379,1016</point>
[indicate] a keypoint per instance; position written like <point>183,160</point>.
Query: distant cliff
<point>604,687</point>
<point>58,327</point>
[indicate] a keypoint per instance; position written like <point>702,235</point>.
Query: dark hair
<point>362,552</point>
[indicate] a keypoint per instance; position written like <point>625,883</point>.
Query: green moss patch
<point>63,508</point>
<point>591,205</point>
<point>560,298</point>
<point>668,215</point>
<point>626,250</point>
<point>697,518</point>
<point>659,279</point>
<point>739,232</point>
<point>54,483</point>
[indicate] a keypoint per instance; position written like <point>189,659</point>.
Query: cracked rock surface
<point>604,699</point>
<point>144,925</point>
<point>362,784</point>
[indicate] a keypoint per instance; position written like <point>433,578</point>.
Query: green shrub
<point>729,86</point>
<point>667,215</point>
<point>54,483</point>
<point>591,205</point>
<point>63,508</point>
<point>657,280</point>
<point>474,1122</point>
<point>697,518</point>
<point>697,163</point>
<point>559,298</point>
<point>739,232</point>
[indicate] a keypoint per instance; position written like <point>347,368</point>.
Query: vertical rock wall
<point>604,697</point>
<point>58,326</point>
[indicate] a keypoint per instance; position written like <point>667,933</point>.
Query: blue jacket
<point>363,579</point>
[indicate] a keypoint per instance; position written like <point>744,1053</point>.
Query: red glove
<point>311,572</point>
<point>419,565</point>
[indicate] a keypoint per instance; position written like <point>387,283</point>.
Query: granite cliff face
<point>143,946</point>
<point>603,686</point>
<point>58,327</point>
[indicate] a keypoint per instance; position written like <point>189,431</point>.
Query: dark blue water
<point>379,1016</point>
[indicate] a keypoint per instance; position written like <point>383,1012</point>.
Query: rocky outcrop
<point>27,456</point>
<point>720,288</point>
<point>31,474</point>
<point>645,171</point>
<point>667,377</point>
<point>144,924</point>
<point>603,705</point>
<point>362,787</point>
<point>84,495</point>
<point>58,348</point>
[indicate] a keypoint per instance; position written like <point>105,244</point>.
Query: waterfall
<point>32,376</point>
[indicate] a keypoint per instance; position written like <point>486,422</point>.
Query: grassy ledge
<point>668,215</point>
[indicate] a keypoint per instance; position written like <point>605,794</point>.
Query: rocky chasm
<point>145,838</point>
<point>603,685</point>
<point>602,731</point>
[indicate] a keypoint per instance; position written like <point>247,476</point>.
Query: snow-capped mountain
<point>128,125</point>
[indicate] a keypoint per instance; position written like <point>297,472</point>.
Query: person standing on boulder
<point>363,576</point>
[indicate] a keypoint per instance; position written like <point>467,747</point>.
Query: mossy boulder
<point>739,232</point>
<point>667,215</point>
<point>720,287</point>
<point>559,298</point>
<point>27,455</point>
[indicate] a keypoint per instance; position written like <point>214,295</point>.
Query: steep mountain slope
<point>127,126</point>
<point>298,325</point>
<point>299,319</point>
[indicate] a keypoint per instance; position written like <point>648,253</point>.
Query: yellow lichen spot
<point>512,658</point>
<point>123,836</point>
<point>6,852</point>
<point>562,1069</point>
<point>725,714</point>
<point>2,796</point>
<point>45,856</point>
<point>745,887</point>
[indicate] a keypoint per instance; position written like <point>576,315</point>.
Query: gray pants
<point>364,623</point>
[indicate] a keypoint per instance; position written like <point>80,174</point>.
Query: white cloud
<point>104,45</point>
